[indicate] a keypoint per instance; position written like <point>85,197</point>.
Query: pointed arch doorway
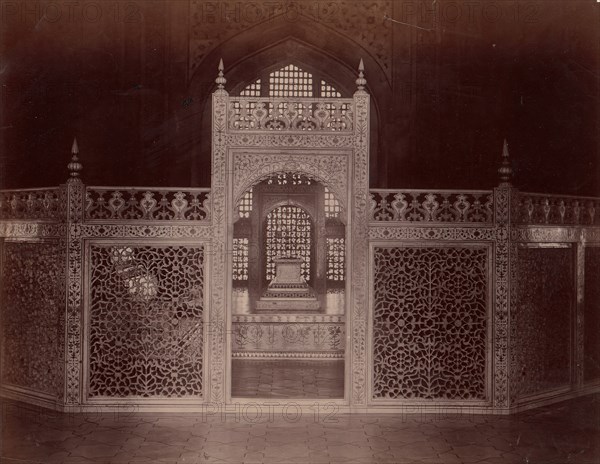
<point>288,295</point>
<point>262,147</point>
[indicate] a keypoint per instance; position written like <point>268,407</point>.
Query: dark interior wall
<point>131,80</point>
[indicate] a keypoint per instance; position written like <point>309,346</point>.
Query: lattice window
<point>429,322</point>
<point>329,91</point>
<point>240,259</point>
<point>332,205</point>
<point>289,235</point>
<point>245,205</point>
<point>32,334</point>
<point>251,90</point>
<point>146,345</point>
<point>290,81</point>
<point>545,295</point>
<point>336,259</point>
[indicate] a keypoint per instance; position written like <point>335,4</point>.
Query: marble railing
<point>431,206</point>
<point>146,204</point>
<point>537,208</point>
<point>31,204</point>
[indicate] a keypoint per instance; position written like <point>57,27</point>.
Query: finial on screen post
<point>505,170</point>
<point>74,165</point>
<point>361,81</point>
<point>220,80</point>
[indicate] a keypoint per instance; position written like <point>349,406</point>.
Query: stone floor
<point>288,378</point>
<point>567,432</point>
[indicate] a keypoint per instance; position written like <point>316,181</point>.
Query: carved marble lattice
<point>240,259</point>
<point>430,323</point>
<point>251,114</point>
<point>145,321</point>
<point>336,259</point>
<point>543,319</point>
<point>33,305</point>
<point>591,316</point>
<point>40,204</point>
<point>288,235</point>
<point>417,206</point>
<point>150,205</point>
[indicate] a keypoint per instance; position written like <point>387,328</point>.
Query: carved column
<point>219,288</point>
<point>505,274</point>
<point>74,192</point>
<point>357,210</point>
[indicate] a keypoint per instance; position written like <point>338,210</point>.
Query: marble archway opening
<point>288,290</point>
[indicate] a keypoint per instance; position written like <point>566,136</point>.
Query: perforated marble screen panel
<point>591,316</point>
<point>33,306</point>
<point>543,319</point>
<point>429,334</point>
<point>145,321</point>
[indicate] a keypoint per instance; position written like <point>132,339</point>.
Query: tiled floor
<point>563,433</point>
<point>287,378</point>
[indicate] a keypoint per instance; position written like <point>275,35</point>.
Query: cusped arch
<point>270,168</point>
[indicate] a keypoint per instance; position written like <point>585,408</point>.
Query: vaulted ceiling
<point>449,81</point>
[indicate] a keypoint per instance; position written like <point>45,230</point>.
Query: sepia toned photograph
<point>300,231</point>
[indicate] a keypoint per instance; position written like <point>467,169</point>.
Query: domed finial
<point>361,81</point>
<point>505,170</point>
<point>74,166</point>
<point>220,80</point>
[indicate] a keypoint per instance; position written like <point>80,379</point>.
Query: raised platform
<point>288,291</point>
<point>288,300</point>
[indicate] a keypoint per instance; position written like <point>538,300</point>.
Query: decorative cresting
<point>35,204</point>
<point>334,153</point>
<point>146,204</point>
<point>276,114</point>
<point>32,314</point>
<point>146,321</point>
<point>430,322</point>
<point>543,319</point>
<point>431,206</point>
<point>541,209</point>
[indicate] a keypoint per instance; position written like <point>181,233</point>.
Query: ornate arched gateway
<point>325,139</point>
<point>454,301</point>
